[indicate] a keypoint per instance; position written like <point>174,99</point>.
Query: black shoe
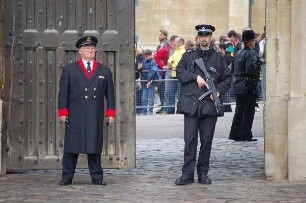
<point>204,180</point>
<point>184,180</point>
<point>236,139</point>
<point>64,183</point>
<point>99,182</point>
<point>251,140</point>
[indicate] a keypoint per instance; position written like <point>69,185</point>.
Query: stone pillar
<point>297,102</point>
<point>2,137</point>
<point>278,53</point>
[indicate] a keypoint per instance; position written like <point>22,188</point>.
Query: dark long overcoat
<point>82,96</point>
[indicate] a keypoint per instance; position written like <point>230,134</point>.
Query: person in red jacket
<point>161,58</point>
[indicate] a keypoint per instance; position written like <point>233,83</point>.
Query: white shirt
<point>262,47</point>
<point>85,63</point>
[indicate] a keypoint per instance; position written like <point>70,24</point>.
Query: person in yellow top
<point>177,55</point>
<point>173,85</point>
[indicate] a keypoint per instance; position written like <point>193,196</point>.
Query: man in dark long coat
<point>83,87</point>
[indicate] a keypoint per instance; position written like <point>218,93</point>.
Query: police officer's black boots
<point>65,182</point>
<point>184,180</point>
<point>204,179</point>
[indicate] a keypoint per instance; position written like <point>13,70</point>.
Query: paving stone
<point>236,171</point>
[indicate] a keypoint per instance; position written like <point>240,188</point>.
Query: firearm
<point>211,86</point>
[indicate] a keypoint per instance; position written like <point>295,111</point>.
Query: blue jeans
<point>167,85</point>
<point>171,90</point>
<point>147,98</point>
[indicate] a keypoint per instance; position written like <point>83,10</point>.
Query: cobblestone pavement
<point>237,173</point>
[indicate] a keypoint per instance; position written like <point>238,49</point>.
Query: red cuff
<point>110,113</point>
<point>63,112</point>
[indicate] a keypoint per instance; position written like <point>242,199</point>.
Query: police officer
<point>245,78</point>
<point>200,116</point>
<point>83,86</point>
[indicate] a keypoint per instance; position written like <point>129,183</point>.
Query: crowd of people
<point>164,60</point>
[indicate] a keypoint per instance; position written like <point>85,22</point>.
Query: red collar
<point>89,75</point>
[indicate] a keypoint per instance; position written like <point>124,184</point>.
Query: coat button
<point>86,89</point>
<point>94,97</point>
<point>95,89</point>
<point>86,97</point>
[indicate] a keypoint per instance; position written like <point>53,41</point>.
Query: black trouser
<point>192,125</point>
<point>69,165</point>
<point>243,119</point>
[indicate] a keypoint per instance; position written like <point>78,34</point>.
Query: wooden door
<point>40,38</point>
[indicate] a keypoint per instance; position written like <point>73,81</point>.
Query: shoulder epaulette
<point>191,50</point>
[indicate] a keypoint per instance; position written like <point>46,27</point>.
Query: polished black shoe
<point>204,180</point>
<point>64,183</point>
<point>99,182</point>
<point>184,180</point>
<point>251,140</point>
<point>235,139</point>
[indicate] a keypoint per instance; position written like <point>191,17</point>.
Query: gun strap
<point>200,63</point>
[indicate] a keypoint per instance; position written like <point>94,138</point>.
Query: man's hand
<point>212,98</point>
<point>201,82</point>
<point>139,66</point>
<point>63,119</point>
<point>149,84</point>
<point>109,120</point>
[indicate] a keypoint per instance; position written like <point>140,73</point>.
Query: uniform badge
<point>88,39</point>
<point>212,69</point>
<point>101,76</point>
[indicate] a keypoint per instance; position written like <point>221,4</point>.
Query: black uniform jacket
<point>244,69</point>
<point>187,72</point>
<point>81,97</point>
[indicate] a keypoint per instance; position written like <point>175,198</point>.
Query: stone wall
<point>180,17</point>
<point>2,140</point>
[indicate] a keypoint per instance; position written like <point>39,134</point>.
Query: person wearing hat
<point>83,87</point>
<point>200,117</point>
<point>245,78</point>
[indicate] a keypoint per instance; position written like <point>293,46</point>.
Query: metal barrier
<point>164,94</point>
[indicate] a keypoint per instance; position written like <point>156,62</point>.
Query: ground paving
<point>237,173</point>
